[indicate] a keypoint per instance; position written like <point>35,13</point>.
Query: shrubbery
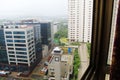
<point>76,65</point>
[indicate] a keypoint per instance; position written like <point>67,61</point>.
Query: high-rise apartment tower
<point>80,20</point>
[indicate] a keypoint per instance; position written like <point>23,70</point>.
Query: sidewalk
<point>83,54</point>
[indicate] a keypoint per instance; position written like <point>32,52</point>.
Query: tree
<point>62,31</point>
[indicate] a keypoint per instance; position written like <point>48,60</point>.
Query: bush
<point>76,65</point>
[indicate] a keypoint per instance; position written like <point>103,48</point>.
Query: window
<point>21,52</point>
<point>11,52</point>
<point>28,32</point>
<point>29,48</point>
<point>11,48</point>
<point>21,37</point>
<point>9,40</point>
<point>20,45</point>
<point>28,40</point>
<point>9,44</point>
<point>12,59</point>
<point>51,69</point>
<point>101,31</point>
<point>18,32</point>
<point>8,32</point>
<point>20,41</point>
<point>23,49</point>
<point>8,36</point>
<point>28,36</point>
<point>16,26</point>
<point>11,55</point>
<point>31,30</point>
<point>101,34</point>
<point>33,49</point>
<point>22,60</point>
<point>21,56</point>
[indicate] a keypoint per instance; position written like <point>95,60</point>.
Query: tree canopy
<point>62,31</point>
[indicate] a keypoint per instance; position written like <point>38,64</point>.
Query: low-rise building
<point>60,65</point>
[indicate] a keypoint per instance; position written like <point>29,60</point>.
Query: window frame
<point>101,31</point>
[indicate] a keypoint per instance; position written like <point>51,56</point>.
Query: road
<point>40,66</point>
<point>83,54</point>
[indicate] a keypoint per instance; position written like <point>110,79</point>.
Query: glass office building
<point>3,53</point>
<point>46,33</point>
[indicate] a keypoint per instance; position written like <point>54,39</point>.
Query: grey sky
<point>33,8</point>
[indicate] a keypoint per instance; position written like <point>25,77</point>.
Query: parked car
<point>7,72</point>
<point>4,73</point>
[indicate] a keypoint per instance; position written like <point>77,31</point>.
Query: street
<point>83,54</point>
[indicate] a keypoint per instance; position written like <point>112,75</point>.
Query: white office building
<point>20,44</point>
<point>80,20</point>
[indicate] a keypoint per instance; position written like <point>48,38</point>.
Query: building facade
<point>55,27</point>
<point>37,36</point>
<point>60,65</point>
<point>42,35</point>
<point>20,48</point>
<point>80,20</point>
<point>46,33</point>
<point>3,53</point>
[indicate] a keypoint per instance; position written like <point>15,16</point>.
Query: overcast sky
<point>33,8</point>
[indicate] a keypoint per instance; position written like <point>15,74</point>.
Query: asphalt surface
<point>83,54</point>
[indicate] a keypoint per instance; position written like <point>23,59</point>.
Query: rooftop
<point>16,27</point>
<point>63,57</point>
<point>57,50</point>
<point>67,58</point>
